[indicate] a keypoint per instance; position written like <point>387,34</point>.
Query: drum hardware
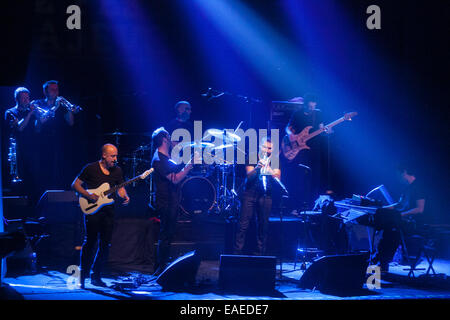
<point>116,134</point>
<point>135,161</point>
<point>226,198</point>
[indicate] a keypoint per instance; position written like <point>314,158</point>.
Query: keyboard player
<point>405,215</point>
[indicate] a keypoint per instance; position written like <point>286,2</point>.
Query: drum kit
<point>209,189</point>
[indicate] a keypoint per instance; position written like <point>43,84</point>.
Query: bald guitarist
<point>99,226</point>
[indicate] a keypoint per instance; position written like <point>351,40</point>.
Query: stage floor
<point>395,285</point>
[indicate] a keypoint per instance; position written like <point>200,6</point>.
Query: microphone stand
<point>283,197</point>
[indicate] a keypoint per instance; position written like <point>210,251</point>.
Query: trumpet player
<point>257,199</point>
<point>22,117</point>
<point>56,128</point>
<point>21,121</point>
<point>55,106</point>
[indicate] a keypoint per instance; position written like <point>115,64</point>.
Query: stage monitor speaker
<point>181,273</point>
<point>336,274</point>
<point>59,206</point>
<point>247,274</point>
<point>64,223</point>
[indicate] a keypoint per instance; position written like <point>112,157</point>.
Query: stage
<point>53,285</point>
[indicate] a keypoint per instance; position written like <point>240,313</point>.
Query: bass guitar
<point>104,191</point>
<point>292,144</point>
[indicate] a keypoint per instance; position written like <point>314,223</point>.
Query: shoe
<point>98,282</point>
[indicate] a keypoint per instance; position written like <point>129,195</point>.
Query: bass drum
<point>197,196</point>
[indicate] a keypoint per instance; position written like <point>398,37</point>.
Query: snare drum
<point>197,196</point>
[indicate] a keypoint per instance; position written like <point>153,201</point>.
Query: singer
<point>257,198</point>
<point>99,226</point>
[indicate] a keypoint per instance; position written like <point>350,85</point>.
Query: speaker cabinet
<point>336,274</point>
<point>247,274</point>
<point>64,223</point>
<point>180,274</point>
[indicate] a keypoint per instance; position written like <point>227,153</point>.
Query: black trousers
<point>168,216</point>
<point>299,181</point>
<point>254,202</point>
<point>99,228</point>
<point>390,222</point>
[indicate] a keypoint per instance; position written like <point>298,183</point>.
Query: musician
<point>52,105</point>
<point>21,121</point>
<point>55,138</point>
<point>303,171</point>
<point>407,215</point>
<point>182,120</point>
<point>167,176</point>
<point>99,226</point>
<point>257,199</point>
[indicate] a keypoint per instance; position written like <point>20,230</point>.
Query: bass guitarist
<point>302,165</point>
<point>99,226</point>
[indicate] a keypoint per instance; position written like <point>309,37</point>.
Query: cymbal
<point>287,102</point>
<point>197,144</point>
<point>117,133</point>
<point>226,135</point>
<point>142,148</point>
<point>223,146</point>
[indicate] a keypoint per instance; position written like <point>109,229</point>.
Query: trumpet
<point>69,106</point>
<point>12,159</point>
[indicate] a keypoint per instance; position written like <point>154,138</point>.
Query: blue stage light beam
<point>268,52</point>
<point>147,63</point>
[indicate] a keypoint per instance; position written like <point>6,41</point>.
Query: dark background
<point>133,60</point>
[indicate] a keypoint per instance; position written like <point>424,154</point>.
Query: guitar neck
<point>115,188</point>
<point>319,131</point>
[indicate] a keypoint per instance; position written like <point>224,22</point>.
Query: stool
<point>427,250</point>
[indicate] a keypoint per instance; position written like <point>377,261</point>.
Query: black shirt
<point>13,115</point>
<point>410,195</point>
<point>56,124</point>
<point>94,177</point>
<point>176,124</point>
<point>299,120</point>
<point>256,182</point>
<point>166,192</point>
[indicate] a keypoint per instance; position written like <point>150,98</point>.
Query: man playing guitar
<point>300,162</point>
<point>99,226</point>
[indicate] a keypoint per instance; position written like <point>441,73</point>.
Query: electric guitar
<point>90,207</point>
<point>292,144</point>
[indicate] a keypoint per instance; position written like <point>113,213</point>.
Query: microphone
<point>211,95</point>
